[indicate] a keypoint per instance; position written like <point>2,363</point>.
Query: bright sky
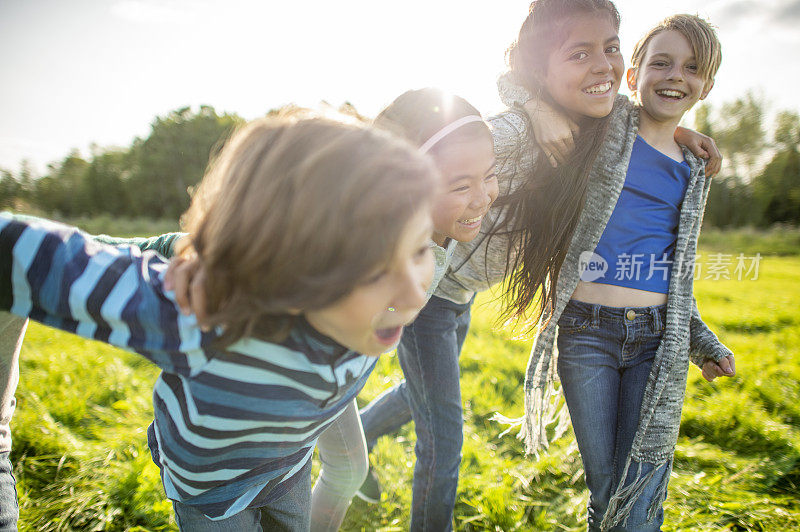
<point>98,71</point>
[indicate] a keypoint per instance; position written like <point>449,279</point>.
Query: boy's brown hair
<point>701,36</point>
<point>295,213</point>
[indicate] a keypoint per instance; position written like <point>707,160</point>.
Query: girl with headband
<point>453,134</point>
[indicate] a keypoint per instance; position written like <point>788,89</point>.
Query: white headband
<point>446,130</point>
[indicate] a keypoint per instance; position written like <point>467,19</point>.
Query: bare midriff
<point>616,296</point>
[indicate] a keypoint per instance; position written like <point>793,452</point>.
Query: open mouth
<point>389,335</point>
<point>598,89</point>
<point>671,94</point>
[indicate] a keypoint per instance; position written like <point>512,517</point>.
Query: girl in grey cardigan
<point>626,426</point>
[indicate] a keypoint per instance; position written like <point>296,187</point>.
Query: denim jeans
<point>9,511</point>
<point>344,466</point>
<point>428,353</point>
<point>12,332</point>
<point>290,513</point>
<point>604,360</point>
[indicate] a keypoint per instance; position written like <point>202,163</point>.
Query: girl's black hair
<point>542,215</point>
<point>417,115</point>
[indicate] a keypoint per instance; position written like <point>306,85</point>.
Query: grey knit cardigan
<point>685,335</point>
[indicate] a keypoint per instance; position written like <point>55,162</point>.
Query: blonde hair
<point>294,213</point>
<point>701,36</point>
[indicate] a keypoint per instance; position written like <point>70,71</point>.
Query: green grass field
<point>82,462</point>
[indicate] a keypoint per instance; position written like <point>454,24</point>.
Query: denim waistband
<point>656,314</point>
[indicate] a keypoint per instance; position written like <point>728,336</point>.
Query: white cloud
<point>765,15</point>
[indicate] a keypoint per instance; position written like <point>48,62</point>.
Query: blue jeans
<point>604,361</point>
<point>290,513</point>
<point>431,396</point>
<point>9,511</point>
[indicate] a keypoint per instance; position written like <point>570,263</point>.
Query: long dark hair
<point>542,215</point>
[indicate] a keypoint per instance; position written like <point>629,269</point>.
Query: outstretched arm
<point>57,275</point>
<point>164,244</point>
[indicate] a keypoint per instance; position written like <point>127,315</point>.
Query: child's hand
<point>553,132</point>
<point>726,367</point>
<point>701,146</point>
<point>186,276</point>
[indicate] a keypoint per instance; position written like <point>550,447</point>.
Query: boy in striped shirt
<point>312,234</point>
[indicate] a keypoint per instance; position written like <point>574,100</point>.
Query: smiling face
<point>583,74</point>
<point>362,320</point>
<point>470,187</point>
<point>667,81</point>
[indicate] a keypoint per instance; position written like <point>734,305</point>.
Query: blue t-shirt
<point>638,244</point>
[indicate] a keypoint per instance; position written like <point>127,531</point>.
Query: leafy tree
<point>702,120</point>
<point>172,160</point>
<point>739,133</point>
<point>9,189</point>
<point>60,191</point>
<point>777,189</point>
<point>787,129</point>
<point>26,180</point>
<point>15,189</point>
<point>730,204</point>
<point>103,186</point>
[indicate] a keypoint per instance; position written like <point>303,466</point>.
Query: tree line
<point>151,178</point>
<point>759,185</point>
<point>760,182</point>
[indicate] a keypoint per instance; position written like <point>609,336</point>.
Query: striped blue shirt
<point>233,429</point>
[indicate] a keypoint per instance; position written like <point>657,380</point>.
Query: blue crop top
<point>638,244</point>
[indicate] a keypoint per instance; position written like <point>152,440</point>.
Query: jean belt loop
<point>595,316</point>
<point>655,312</point>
